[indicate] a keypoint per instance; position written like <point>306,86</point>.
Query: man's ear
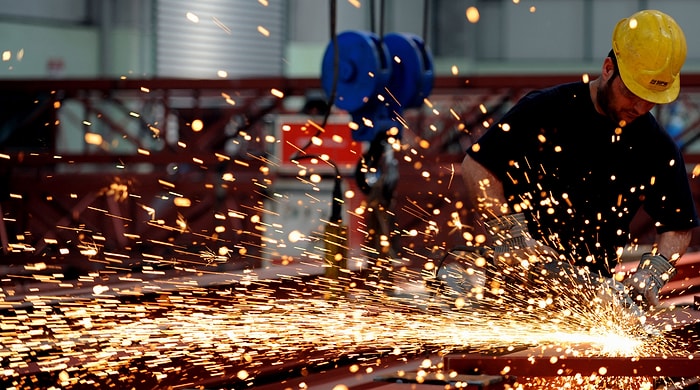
<point>608,69</point>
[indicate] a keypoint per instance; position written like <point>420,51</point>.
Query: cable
<point>381,25</point>
<point>426,9</point>
<point>336,205</point>
<point>336,70</point>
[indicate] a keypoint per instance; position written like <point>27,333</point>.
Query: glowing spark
<point>93,139</point>
<point>197,125</point>
<point>452,174</point>
<point>263,31</point>
<point>166,183</point>
<point>181,223</point>
<point>277,93</point>
<point>696,170</point>
<point>221,25</point>
<point>182,202</point>
<point>222,157</point>
<point>633,23</point>
<point>472,14</point>
<point>192,17</point>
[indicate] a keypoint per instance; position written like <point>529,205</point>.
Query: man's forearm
<point>673,244</point>
<point>485,191</point>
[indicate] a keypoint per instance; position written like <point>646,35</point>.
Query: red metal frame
<point>35,177</point>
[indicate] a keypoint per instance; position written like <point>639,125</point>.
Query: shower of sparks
<point>259,323</point>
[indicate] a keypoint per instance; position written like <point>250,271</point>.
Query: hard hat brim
<point>664,96</point>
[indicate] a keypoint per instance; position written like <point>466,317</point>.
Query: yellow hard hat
<point>650,49</point>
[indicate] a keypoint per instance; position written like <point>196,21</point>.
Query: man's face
<point>619,103</point>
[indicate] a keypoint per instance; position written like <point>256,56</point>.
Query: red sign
<point>334,140</point>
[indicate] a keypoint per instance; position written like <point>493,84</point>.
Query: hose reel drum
<point>377,78</point>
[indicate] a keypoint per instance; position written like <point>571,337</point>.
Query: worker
<point>565,170</point>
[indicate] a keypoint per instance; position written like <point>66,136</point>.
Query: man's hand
<point>653,272</point>
<point>612,291</point>
<point>512,242</point>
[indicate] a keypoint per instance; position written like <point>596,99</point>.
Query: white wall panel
<point>71,11</point>
<point>545,29</point>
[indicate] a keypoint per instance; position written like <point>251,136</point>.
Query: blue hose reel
<point>399,68</point>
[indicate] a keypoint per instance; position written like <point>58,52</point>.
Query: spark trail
<point>245,330</point>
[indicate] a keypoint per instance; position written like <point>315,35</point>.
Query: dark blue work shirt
<point>582,177</point>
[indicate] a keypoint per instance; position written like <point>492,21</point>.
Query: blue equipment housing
<point>412,76</point>
<point>377,79</point>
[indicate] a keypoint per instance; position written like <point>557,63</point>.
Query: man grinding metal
<point>563,173</point>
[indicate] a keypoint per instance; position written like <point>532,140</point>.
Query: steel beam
<point>549,366</point>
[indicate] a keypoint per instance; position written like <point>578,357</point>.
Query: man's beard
<point>603,97</point>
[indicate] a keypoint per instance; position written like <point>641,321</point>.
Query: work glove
<point>461,274</point>
<point>653,272</point>
<point>614,292</point>
<point>512,243</point>
<point>608,290</point>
